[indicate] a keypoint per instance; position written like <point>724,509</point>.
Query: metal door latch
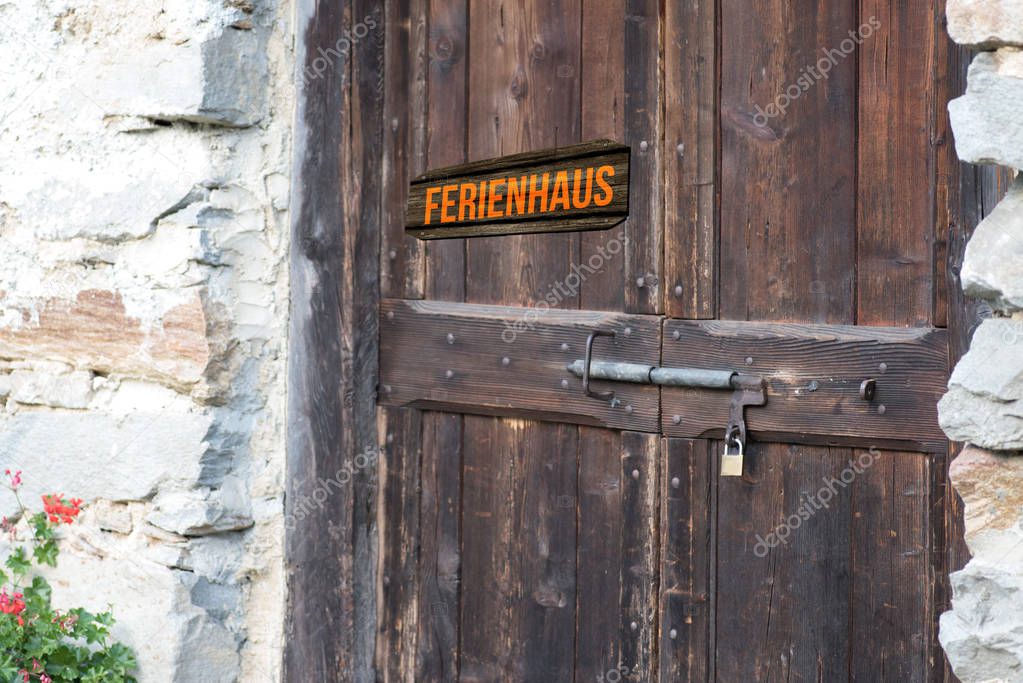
<point>747,390</point>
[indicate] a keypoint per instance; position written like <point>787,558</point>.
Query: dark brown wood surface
<point>467,358</point>
<point>813,374</point>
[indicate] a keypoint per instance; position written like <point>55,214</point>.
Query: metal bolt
<point>564,384</point>
<point>883,367</point>
<point>681,149</point>
<point>635,474</point>
<point>673,634</point>
<point>675,483</point>
<point>390,315</point>
<point>627,331</point>
<point>813,386</point>
<point>749,360</point>
<point>634,626</point>
<point>676,419</point>
<point>564,346</point>
<point>643,146</point>
<point>881,410</point>
<point>389,438</point>
<point>641,281</point>
<point>628,409</point>
<point>676,335</point>
<point>392,254</point>
<point>506,361</point>
<point>451,338</point>
<point>387,388</point>
<point>678,290</point>
<point>449,374</point>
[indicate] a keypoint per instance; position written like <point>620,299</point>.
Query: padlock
<point>731,463</point>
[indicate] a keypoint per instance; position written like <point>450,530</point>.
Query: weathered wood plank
<point>643,131</point>
<point>639,570</point>
<point>446,143</point>
<point>603,116</point>
<point>687,560</point>
<point>896,163</point>
<point>462,358</point>
<point>523,94</point>
<point>892,581</point>
<point>788,182</point>
<point>690,159</point>
<point>402,259</point>
<point>332,351</point>
<point>783,612</point>
<point>813,373</point>
<point>440,548</point>
<point>519,564</point>
<point>398,459</point>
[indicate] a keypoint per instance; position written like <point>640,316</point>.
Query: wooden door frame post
<point>330,520</point>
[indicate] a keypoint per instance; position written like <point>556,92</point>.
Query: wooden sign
<point>576,188</point>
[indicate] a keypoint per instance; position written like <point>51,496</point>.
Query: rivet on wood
<point>673,634</point>
<point>506,361</point>
<point>634,626</point>
<point>390,315</point>
<point>389,438</point>
<point>675,483</point>
<point>643,146</point>
<point>676,335</point>
<point>681,149</point>
<point>564,346</point>
<point>678,290</point>
<point>749,360</point>
<point>635,474</point>
<point>641,282</point>
<point>628,409</point>
<point>881,410</point>
<point>451,338</point>
<point>449,374</point>
<point>392,254</point>
<point>387,388</point>
<point>627,331</point>
<point>883,367</point>
<point>676,419</point>
<point>564,384</point>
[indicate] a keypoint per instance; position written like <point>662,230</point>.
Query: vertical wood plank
<point>398,617</point>
<point>892,609</point>
<point>440,548</point>
<point>787,183</point>
<point>643,131</point>
<point>447,130</point>
<point>601,528</point>
<point>402,265</point>
<point>896,163</point>
<point>687,547</point>
<point>518,554</point>
<point>332,349</point>
<point>783,612</point>
<point>603,116</point>
<point>639,568</point>
<point>690,159</point>
<point>523,95</point>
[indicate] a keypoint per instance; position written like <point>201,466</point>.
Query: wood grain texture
<point>332,351</point>
<point>690,159</point>
<point>402,259</point>
<point>398,567</point>
<point>783,613</point>
<point>788,183</point>
<point>523,95</point>
<point>813,374</point>
<point>643,131</point>
<point>447,103</point>
<point>519,558</point>
<point>440,543</point>
<point>687,602</point>
<point>417,355</point>
<point>602,102</point>
<point>895,217</point>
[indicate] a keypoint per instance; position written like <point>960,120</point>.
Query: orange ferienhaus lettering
<point>519,196</point>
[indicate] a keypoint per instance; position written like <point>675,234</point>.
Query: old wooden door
<point>532,533</point>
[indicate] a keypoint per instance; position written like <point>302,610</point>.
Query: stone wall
<point>144,174</point>
<point>983,633</point>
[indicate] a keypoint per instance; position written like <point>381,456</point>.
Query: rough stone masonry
<point>144,151</point>
<point>983,633</point>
